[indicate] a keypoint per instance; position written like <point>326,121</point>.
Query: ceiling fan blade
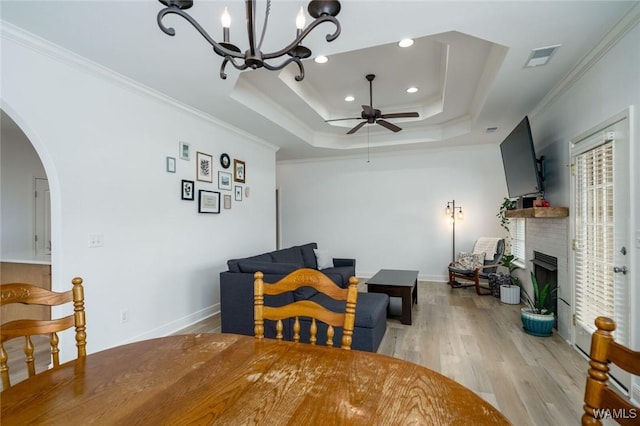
<point>368,110</point>
<point>355,129</point>
<point>400,115</point>
<point>389,126</point>
<point>341,119</point>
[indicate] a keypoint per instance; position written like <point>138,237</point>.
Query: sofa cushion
<point>370,307</point>
<point>289,255</point>
<point>233,263</point>
<point>323,258</point>
<point>340,274</point>
<point>308,256</point>
<point>251,266</point>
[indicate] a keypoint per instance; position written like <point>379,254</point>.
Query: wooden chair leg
<point>478,288</point>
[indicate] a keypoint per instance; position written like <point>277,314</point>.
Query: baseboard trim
<point>176,325</point>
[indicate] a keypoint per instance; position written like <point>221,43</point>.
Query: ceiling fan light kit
<point>372,115</point>
<point>253,57</point>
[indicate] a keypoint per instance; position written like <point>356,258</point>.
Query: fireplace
<point>545,269</point>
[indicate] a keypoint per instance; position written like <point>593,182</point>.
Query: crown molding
<point>624,25</point>
<point>44,47</point>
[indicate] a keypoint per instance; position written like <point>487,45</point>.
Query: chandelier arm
<point>228,59</point>
<point>171,31</point>
<point>251,17</point>
<point>298,62</point>
<point>264,25</point>
<point>303,34</point>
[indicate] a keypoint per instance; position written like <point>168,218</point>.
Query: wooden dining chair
<point>31,295</point>
<point>600,400</point>
<point>306,308</point>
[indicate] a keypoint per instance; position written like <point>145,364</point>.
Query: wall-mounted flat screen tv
<point>520,162</point>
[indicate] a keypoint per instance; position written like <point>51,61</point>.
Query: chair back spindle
<point>600,400</point>
<point>312,278</point>
<point>32,295</point>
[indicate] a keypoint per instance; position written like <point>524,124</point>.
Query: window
<point>516,231</point>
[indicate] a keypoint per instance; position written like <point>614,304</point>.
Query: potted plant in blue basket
<point>536,318</point>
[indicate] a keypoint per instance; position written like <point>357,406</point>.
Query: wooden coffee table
<point>397,283</point>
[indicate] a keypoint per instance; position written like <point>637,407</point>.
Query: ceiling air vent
<point>540,56</point>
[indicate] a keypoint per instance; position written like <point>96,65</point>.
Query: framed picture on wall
<point>239,171</point>
<point>204,167</point>
<point>227,201</point>
<point>185,151</point>
<point>224,180</point>
<point>171,165</point>
<point>188,187</point>
<point>208,201</point>
<point>238,191</point>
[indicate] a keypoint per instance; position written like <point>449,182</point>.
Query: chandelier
<point>253,57</point>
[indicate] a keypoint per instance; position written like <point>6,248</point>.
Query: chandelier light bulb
<point>300,19</point>
<point>225,19</point>
<point>460,215</point>
<point>447,211</point>
<point>253,57</point>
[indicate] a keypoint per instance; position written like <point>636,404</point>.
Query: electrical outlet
<point>124,316</point>
<point>96,240</point>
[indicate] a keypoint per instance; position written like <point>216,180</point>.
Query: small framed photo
<point>171,164</point>
<point>224,180</point>
<point>204,167</point>
<point>185,151</point>
<point>187,189</point>
<point>239,171</point>
<point>208,201</point>
<point>238,192</point>
<point>227,201</point>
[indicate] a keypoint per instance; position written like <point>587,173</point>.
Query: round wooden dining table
<point>230,379</point>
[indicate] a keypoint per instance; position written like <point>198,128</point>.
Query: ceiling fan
<point>372,115</point>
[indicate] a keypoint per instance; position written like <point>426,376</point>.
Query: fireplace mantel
<point>539,212</point>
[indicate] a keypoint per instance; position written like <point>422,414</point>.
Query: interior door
<point>42,215</point>
<point>600,206</point>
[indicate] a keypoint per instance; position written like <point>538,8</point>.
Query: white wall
<point>19,167</point>
<point>389,213</point>
<point>609,87</point>
<point>103,144</point>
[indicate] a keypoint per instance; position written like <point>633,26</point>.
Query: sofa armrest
<point>339,261</point>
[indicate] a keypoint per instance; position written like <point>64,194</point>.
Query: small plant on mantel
<point>507,204</point>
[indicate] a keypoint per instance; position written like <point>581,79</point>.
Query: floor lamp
<point>450,211</point>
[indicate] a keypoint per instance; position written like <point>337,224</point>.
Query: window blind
<point>594,232</point>
<point>517,231</point>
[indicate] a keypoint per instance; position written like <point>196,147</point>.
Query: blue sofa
<point>236,296</point>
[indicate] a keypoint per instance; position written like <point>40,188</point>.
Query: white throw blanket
<point>488,245</point>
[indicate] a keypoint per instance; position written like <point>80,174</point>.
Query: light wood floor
<point>478,342</point>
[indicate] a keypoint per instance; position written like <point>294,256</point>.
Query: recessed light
<point>412,90</point>
<point>406,42</point>
<point>321,59</point>
<point>349,99</point>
